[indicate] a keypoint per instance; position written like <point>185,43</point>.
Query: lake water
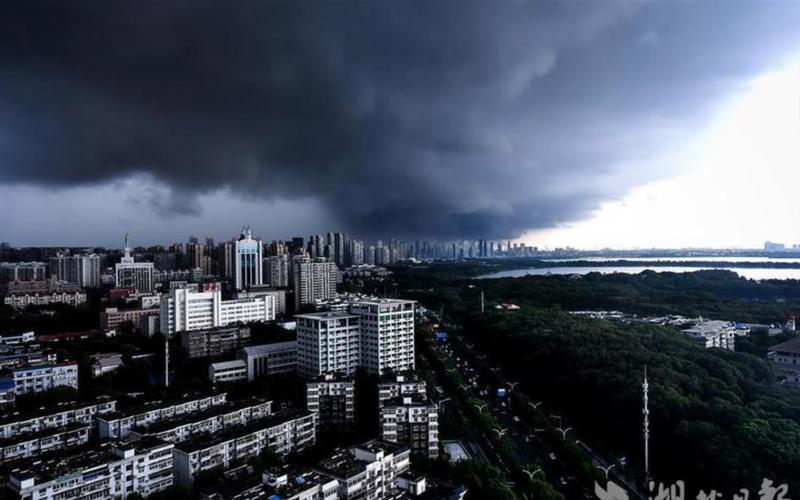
<point>755,273</point>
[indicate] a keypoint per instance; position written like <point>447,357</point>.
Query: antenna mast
<point>482,303</point>
<point>646,413</point>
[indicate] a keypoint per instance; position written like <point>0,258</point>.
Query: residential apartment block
<point>332,398</point>
<point>328,342</point>
<point>213,342</point>
<point>411,420</point>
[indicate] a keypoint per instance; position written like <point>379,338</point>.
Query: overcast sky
<point>591,124</point>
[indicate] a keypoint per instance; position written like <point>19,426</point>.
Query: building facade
<point>227,371</point>
<point>387,334</point>
<point>214,341</point>
<point>332,399</point>
<point>314,279</point>
<point>414,421</point>
<point>131,274</point>
<point>269,359</point>
<point>184,310</point>
<point>328,342</point>
<point>248,257</point>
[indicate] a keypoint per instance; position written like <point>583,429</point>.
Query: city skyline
<point>623,124</point>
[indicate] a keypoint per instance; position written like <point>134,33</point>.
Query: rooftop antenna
<point>646,428</point>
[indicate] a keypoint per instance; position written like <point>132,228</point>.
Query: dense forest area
<point>718,419</point>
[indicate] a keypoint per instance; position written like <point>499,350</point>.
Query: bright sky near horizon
<point>741,185</point>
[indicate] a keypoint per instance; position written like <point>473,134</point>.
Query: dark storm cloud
<point>443,119</point>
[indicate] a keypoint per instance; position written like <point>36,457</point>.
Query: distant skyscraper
<point>276,271</point>
<point>82,270</point>
<point>247,261</point>
<point>356,252</point>
<point>224,259</point>
<point>314,279</point>
<point>132,274</point>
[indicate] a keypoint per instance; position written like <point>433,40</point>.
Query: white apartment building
<point>414,421</point>
<point>283,432</point>
<point>81,270</point>
<point>313,279</point>
<point>131,274</point>
<point>332,399</point>
<point>785,360</point>
<point>112,471</point>
<point>34,444</point>
<point>210,421</point>
<point>117,425</point>
<point>41,378</point>
<point>71,413</point>
<point>387,334</point>
<point>369,471</point>
<point>21,300</point>
<point>715,333</point>
<point>328,342</point>
<point>399,386</point>
<point>183,309</point>
<point>269,359</point>
<point>227,371</point>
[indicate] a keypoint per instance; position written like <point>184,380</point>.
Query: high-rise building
<point>23,271</point>
<point>248,255</point>
<point>387,334</point>
<point>356,252</point>
<point>224,259</point>
<point>276,271</point>
<point>132,274</point>
<point>81,270</point>
<point>314,279</point>
<point>327,342</point>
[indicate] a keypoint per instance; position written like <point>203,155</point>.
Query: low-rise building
<point>282,433</point>
<point>112,318</point>
<point>60,417</point>
<point>39,378</point>
<point>212,420</point>
<point>112,471</point>
<point>21,357</point>
<point>785,360</point>
<point>213,342</point>
<point>21,300</point>
<point>715,333</point>
<point>34,444</point>
<point>368,471</point>
<point>17,338</point>
<point>269,359</point>
<point>227,371</point>
<point>119,425</point>
<point>105,363</point>
<point>284,483</point>
<point>332,398</point>
<point>411,420</point>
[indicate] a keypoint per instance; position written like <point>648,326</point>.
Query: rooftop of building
<point>404,377</point>
<point>188,418</point>
<point>206,440</point>
<point>710,326</point>
<point>32,436</point>
<point>342,463</point>
<point>46,411</point>
<point>326,315</point>
<point>70,462</point>
<point>409,400</point>
<point>227,365</point>
<point>790,346</point>
<point>160,404</point>
<point>332,377</point>
<point>255,350</point>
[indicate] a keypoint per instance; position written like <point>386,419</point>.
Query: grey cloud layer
<point>442,119</point>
